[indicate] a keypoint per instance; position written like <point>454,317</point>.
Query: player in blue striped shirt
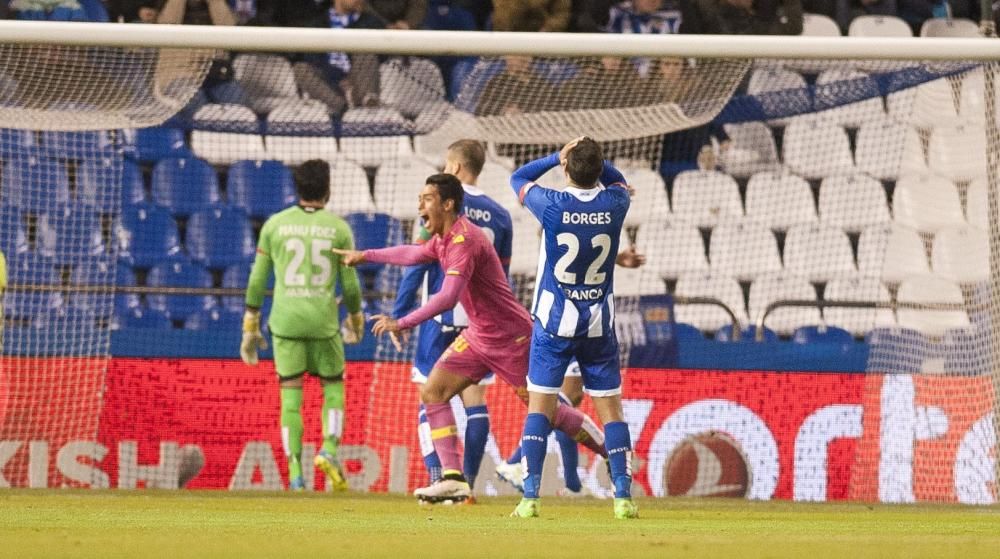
<point>574,307</point>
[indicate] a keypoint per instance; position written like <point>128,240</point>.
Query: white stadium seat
<point>927,203</point>
<point>857,321</point>
<point>282,142</point>
<point>891,253</point>
<point>831,88</point>
<point>818,252</point>
<point>268,80</point>
<point>775,287</point>
<point>931,289</point>
<point>977,206</point>
<point>958,152</point>
<point>751,149</point>
<point>630,282</point>
<point>349,191</point>
<point>650,196</point>
<point>816,25</point>
<point>853,203</point>
<point>949,27</point>
<point>372,150</point>
<point>816,149</point>
<point>672,247</point>
<point>411,85</point>
<point>707,317</point>
<point>779,200</point>
<point>226,148</point>
<point>779,91</point>
<point>888,150</point>
<point>961,254</point>
<point>743,250</point>
<point>878,26</point>
<point>397,186</point>
<point>705,198</point>
<point>925,106</point>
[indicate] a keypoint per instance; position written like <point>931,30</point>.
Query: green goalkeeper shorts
<point>294,357</point>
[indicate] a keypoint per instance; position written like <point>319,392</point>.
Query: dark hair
<point>471,154</point>
<point>312,180</point>
<point>449,188</point>
<point>585,162</point>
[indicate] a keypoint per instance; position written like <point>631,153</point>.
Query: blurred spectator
<point>196,12</point>
<point>339,79</point>
<point>133,11</point>
<point>292,13</point>
<point>481,10</point>
<point>742,17</point>
<point>645,16</point>
<point>244,10</point>
<point>590,16</point>
<point>400,14</point>
<point>531,15</point>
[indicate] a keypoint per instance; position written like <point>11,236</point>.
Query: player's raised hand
<point>252,340</point>
<point>630,258</point>
<point>353,329</point>
<point>350,257</point>
<point>387,324</point>
<point>564,152</point>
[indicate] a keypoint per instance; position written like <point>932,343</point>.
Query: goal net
<point>813,320</point>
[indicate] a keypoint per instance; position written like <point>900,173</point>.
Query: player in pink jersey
<point>497,339</point>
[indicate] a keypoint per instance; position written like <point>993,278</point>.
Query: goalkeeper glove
<point>252,340</point>
<point>353,329</point>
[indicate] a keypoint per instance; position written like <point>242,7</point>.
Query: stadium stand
<point>260,188</point>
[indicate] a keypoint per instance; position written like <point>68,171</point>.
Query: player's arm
<point>525,176</point>
<point>612,177</point>
<point>505,248</point>
<point>351,294</point>
<point>253,340</point>
<point>409,284</point>
<point>402,255</point>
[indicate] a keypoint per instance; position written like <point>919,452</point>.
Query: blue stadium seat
<point>748,334</point>
<point>147,235</point>
<point>34,183</point>
<point>184,185</point>
<point>158,142</point>
<point>179,273</point>
<point>684,332</point>
<point>94,10</point>
<point>31,15</point>
<point>260,187</point>
<point>236,276</point>
<point>13,237</point>
<point>822,335</point>
<point>69,233</point>
<point>63,13</point>
<point>33,270</point>
<point>99,272</point>
<point>140,318</point>
<point>15,143</point>
<point>67,319</point>
<point>96,178</point>
<point>77,145</point>
<point>372,230</point>
<point>220,236</point>
<point>219,320</point>
<point>896,350</point>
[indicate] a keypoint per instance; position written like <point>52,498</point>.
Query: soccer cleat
<point>331,467</point>
<point>569,493</point>
<point>512,474</point>
<point>297,484</point>
<point>445,491</point>
<point>527,508</point>
<point>625,508</point>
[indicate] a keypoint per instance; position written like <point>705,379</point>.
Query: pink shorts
<point>509,363</point>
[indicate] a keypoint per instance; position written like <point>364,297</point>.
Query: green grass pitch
<point>186,524</point>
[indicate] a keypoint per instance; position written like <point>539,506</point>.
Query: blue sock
<point>516,457</point>
<point>533,444</point>
<point>477,430</point>
<point>619,445</point>
<point>431,460</point>
<point>570,460</point>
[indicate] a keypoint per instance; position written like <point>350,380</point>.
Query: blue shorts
<point>551,356</point>
<point>432,340</point>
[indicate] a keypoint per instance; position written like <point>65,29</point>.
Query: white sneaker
<point>443,491</point>
<point>567,492</point>
<point>512,474</point>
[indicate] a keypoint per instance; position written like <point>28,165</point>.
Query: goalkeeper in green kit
<point>304,321</point>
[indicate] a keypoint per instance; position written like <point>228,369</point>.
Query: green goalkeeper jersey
<point>295,243</point>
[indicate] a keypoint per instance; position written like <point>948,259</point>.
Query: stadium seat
<point>30,269</point>
<point>672,247</point>
<point>961,254</point>
<point>777,287</point>
<point>526,245</point>
<point>349,191</point>
<point>817,25</point>
<point>927,203</point>
<point>410,84</point>
<point>398,184</point>
<point>233,133</point>
<point>891,253</point>
<point>220,236</point>
<point>848,98</point>
<point>69,234</point>
<point>96,179</point>
<point>651,193</point>
<point>887,150</point>
<point>374,230</point>
<point>709,317</point>
<point>299,131</point>
<point>931,290</point>
<point>751,150</point>
<point>370,136</point>
<point>633,282</point>
<point>857,321</point>
<point>77,145</point>
<point>949,27</point>
<point>16,143</point>
<point>743,250</point>
<point>853,203</point>
<point>34,184</point>
<point>141,318</point>
<point>147,235</point>
<point>261,188</point>
<point>268,80</point>
<point>432,118</point>
<point>13,237</point>
<point>160,142</point>
<point>780,92</point>
<point>976,204</point>
<point>179,273</point>
<point>684,332</point>
<point>925,106</point>
<point>102,271</point>
<point>748,334</point>
<point>818,252</point>
<point>184,185</point>
<point>79,323</point>
<point>779,200</point>
<point>495,182</point>
<point>896,350</point>
<point>705,198</point>
<point>216,320</point>
<point>236,276</point>
<point>972,98</point>
<point>878,26</point>
<point>815,149</point>
<point>958,153</point>
<point>822,335</point>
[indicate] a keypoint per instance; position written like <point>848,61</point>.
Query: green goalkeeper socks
<point>333,415</point>
<point>291,429</point>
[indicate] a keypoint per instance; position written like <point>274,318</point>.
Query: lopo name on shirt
<point>316,231</point>
<point>579,218</point>
<point>478,214</point>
